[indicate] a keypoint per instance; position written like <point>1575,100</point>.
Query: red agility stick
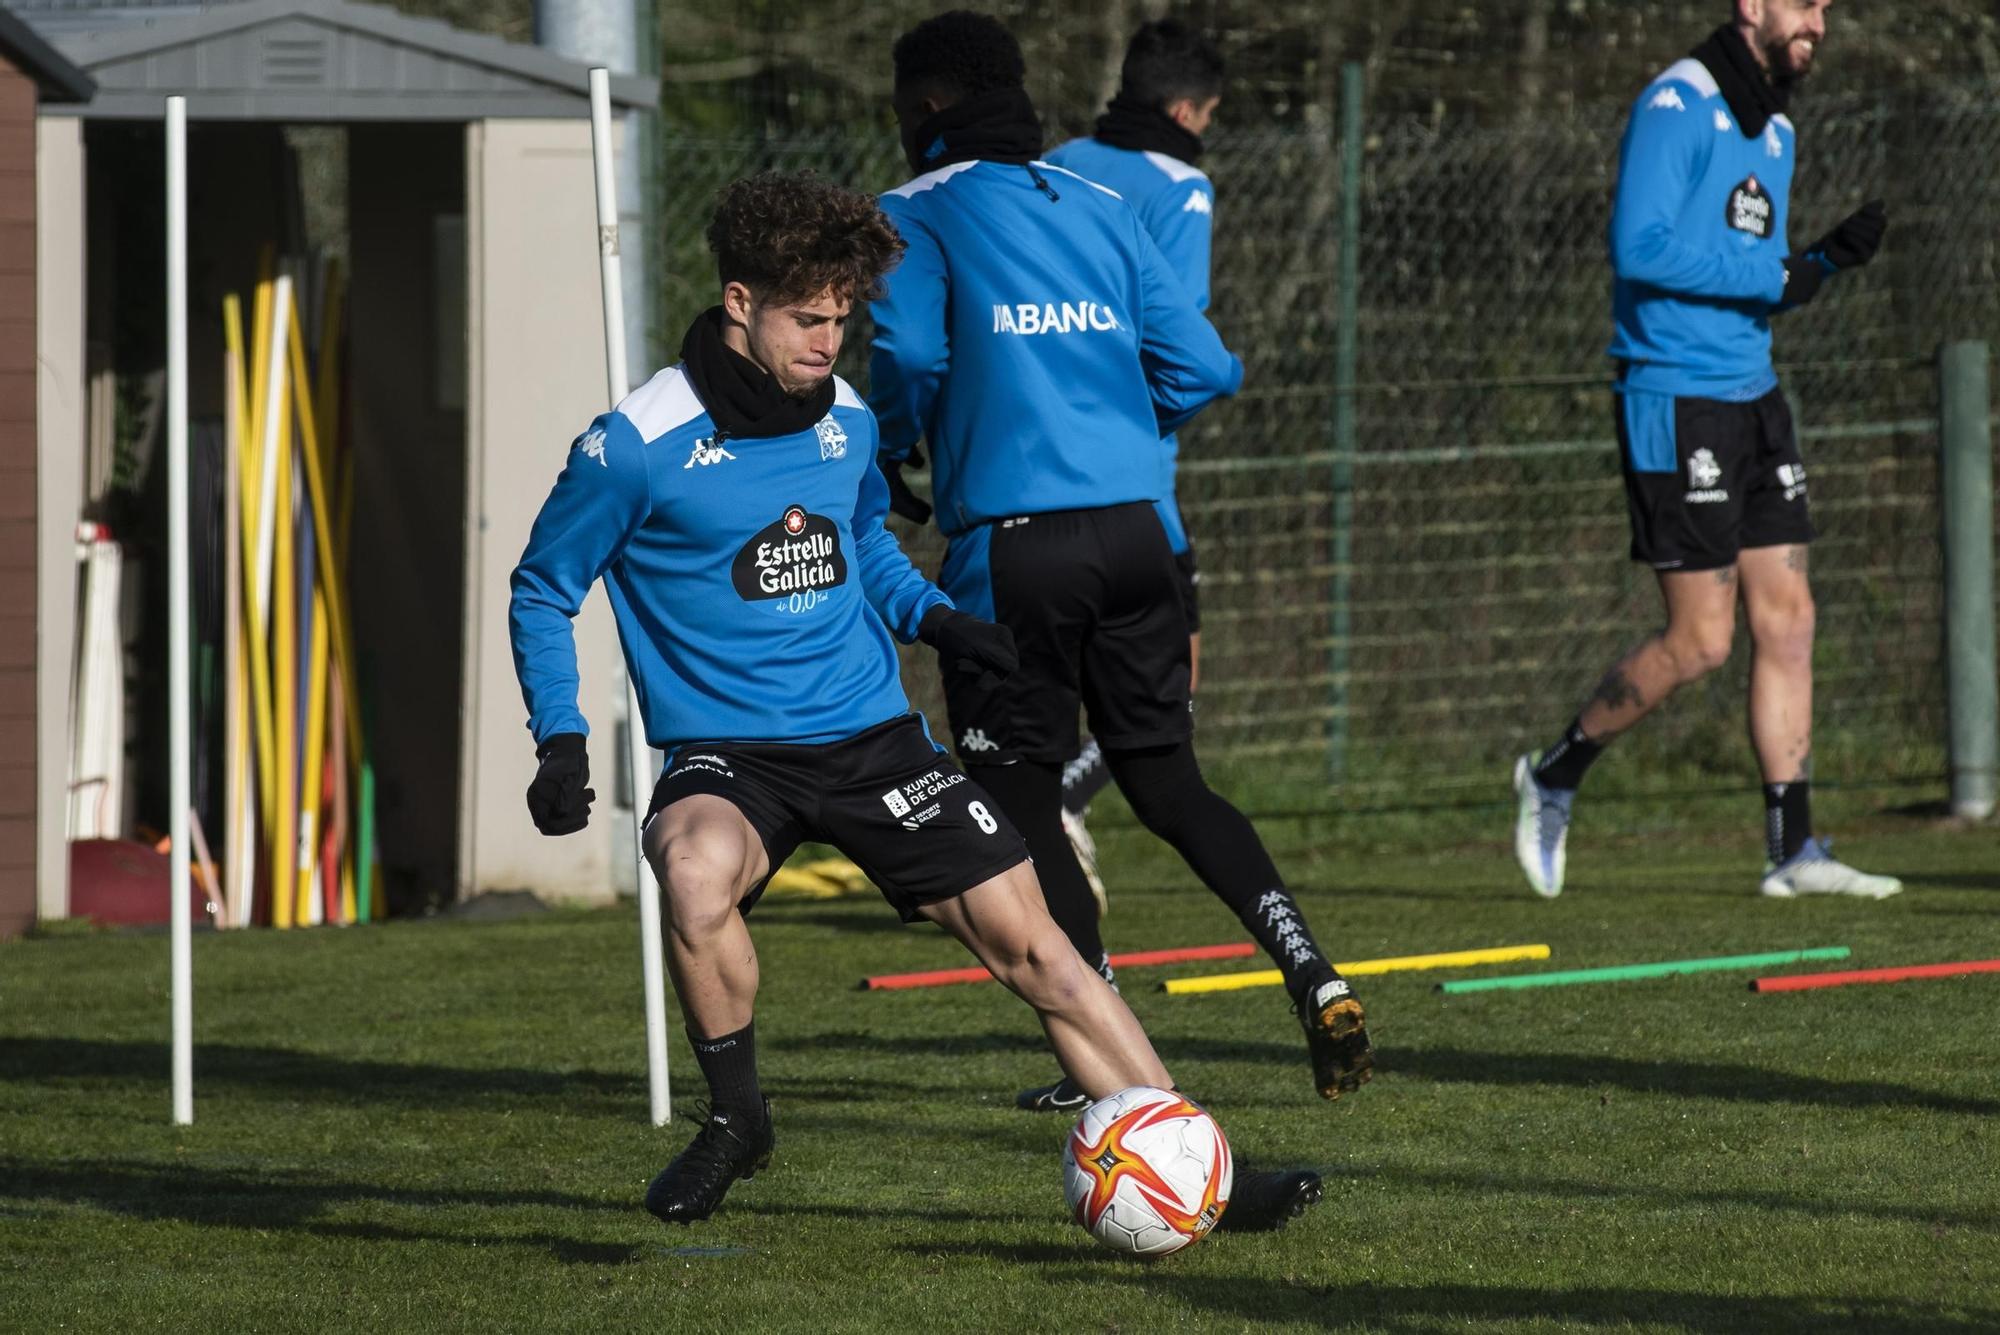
<point>941,977</point>
<point>1799,982</point>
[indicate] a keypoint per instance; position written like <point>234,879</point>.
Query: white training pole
<point>638,756</point>
<point>177,609</point>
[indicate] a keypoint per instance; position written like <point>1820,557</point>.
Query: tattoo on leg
<point>1805,767</point>
<point>1726,576</point>
<point>1616,691</point>
<point>1795,557</point>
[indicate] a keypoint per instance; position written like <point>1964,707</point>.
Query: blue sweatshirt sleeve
<point>601,498</point>
<point>1186,365</point>
<point>1183,230</point>
<point>894,587</point>
<point>912,350</point>
<point>1657,167</point>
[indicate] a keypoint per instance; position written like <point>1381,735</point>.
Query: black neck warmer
<point>996,126</point>
<point>1751,93</point>
<point>1130,123</point>
<point>742,397</point>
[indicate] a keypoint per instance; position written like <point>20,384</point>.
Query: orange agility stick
<point>1236,950</point>
<point>1800,982</point>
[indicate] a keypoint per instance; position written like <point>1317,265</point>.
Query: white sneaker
<point>1541,829</point>
<point>1813,870</point>
<point>1086,856</point>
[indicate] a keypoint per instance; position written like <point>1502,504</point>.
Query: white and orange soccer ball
<point>1147,1172</point>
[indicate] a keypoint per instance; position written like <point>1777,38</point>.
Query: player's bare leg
<point>1778,603</point>
<point>1701,621</point>
<point>707,857</point>
<point>1006,923</point>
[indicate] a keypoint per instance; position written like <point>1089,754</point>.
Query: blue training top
<point>1698,241</point>
<point>1176,202</point>
<point>1038,340</point>
<point>754,584</point>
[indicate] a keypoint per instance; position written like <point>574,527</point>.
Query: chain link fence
<point>1481,584</point>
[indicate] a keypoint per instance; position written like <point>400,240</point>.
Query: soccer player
<point>1713,479</point>
<point>1145,147</point>
<point>1036,336</point>
<point>734,506</point>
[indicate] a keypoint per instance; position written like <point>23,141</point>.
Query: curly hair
<point>961,52</point>
<point>789,236</point>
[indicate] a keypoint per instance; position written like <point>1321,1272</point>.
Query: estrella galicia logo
<point>796,559</point>
<point>1750,208</point>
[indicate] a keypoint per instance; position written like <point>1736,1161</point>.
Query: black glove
<point>902,500</point>
<point>1803,275</point>
<point>1855,241</point>
<point>968,645</point>
<point>559,799</point>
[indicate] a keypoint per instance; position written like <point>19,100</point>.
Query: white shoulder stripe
<point>1691,72</point>
<point>1085,179</point>
<point>1176,170</point>
<point>1783,122</point>
<point>931,180</point>
<point>845,397</point>
<point>661,404</point>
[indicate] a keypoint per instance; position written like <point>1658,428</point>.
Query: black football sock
<point>1084,777</point>
<point>1564,764</point>
<point>1170,798</point>
<point>729,1064</point>
<point>1031,794</point>
<point>1787,819</point>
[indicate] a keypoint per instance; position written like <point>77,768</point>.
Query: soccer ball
<point>1146,1171</point>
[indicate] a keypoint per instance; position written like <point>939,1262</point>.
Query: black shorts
<point>1094,600</point>
<point>888,798</point>
<point>1706,479</point>
<point>1188,576</point>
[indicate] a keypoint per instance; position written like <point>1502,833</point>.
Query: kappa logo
<point>1774,147</point>
<point>1721,121</point>
<point>707,451</point>
<point>975,739</point>
<point>1197,202</point>
<point>832,440</point>
<point>1667,97</point>
<point>591,443</point>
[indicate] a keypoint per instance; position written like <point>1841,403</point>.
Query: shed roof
<point>321,60</point>
<point>57,78</point>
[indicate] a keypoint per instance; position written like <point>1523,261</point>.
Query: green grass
<point>440,1125</point>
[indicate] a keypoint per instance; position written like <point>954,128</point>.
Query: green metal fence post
<point>1965,478</point>
<point>1344,349</point>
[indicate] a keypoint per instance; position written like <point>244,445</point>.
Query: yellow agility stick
<point>1450,959</point>
<point>336,598</point>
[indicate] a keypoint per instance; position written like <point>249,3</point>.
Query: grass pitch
<point>441,1125</point>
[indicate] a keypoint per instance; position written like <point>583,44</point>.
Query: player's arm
<point>1183,230</point>
<point>912,348</point>
<point>1659,164</point>
<point>1186,365</point>
<point>601,498</point>
<point>894,587</point>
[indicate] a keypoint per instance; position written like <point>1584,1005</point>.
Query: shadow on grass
<point>1713,1080</point>
<point>270,1201</point>
<point>1485,1184</point>
<point>287,1071</point>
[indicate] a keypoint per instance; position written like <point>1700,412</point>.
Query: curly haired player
<point>734,505</point>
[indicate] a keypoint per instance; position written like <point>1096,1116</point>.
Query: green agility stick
<point>1619,973</point>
